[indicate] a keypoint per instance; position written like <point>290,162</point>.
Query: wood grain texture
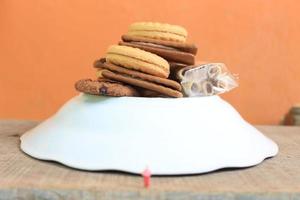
<point>23,177</point>
<point>45,46</point>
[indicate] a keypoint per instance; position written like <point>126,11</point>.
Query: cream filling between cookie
<point>154,45</point>
<point>166,69</point>
<point>161,31</point>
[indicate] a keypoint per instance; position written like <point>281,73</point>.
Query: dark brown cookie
<point>143,84</point>
<point>106,80</point>
<point>167,53</point>
<point>185,47</point>
<point>150,93</point>
<point>174,68</point>
<point>160,85</point>
<point>138,75</point>
<point>107,88</point>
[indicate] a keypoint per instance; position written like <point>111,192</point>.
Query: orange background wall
<point>45,46</point>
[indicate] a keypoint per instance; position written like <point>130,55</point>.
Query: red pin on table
<point>147,177</point>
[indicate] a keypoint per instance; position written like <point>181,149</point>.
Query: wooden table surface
<point>23,177</point>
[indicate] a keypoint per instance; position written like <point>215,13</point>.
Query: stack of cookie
<point>141,63</point>
<point>165,40</point>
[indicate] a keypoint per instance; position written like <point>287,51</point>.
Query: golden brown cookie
<point>104,87</point>
<point>160,85</point>
<point>137,59</point>
<point>158,31</point>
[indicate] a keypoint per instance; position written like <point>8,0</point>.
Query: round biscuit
<point>103,87</point>
<point>137,59</point>
<point>158,31</point>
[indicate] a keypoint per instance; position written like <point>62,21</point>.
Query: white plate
<point>167,135</point>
